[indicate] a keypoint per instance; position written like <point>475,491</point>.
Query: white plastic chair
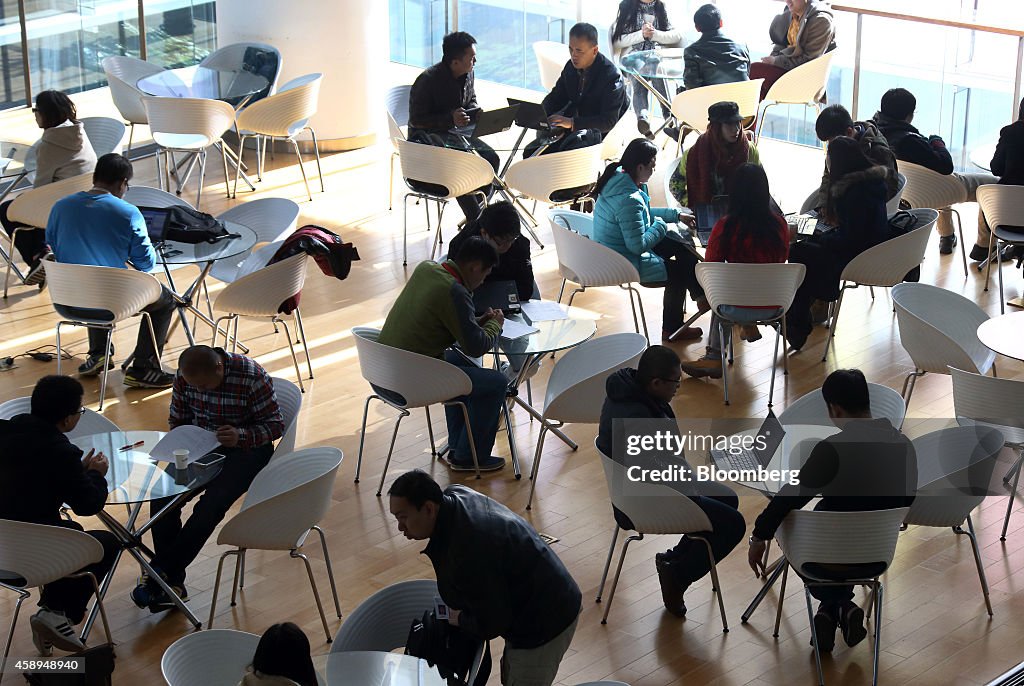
<point>91,422</point>
<point>995,403</point>
<point>576,388</point>
<point>284,115</point>
<point>123,73</point>
<point>954,467</point>
<point>289,401</point>
<point>460,173</point>
<point>218,657</point>
<point>188,125</point>
<point>811,408</point>
<point>381,622</point>
<point>808,538</point>
<point>122,292</point>
<point>653,509</point>
<point>105,135</point>
<point>691,106</point>
<point>397,105</point>
<point>146,196</point>
<point>422,381</point>
<point>272,219</point>
<point>670,200</point>
<point>285,502</point>
<point>232,58</point>
<point>33,555</point>
<point>893,206</point>
<point>751,285</point>
<point>260,294</point>
<point>551,59</point>
<point>939,329</point>
<point>926,188</point>
<point>1003,207</point>
<point>616,140</point>
<point>884,265</point>
<point>802,85</point>
<point>538,177</point>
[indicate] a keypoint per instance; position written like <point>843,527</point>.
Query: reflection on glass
<point>181,34</point>
<point>12,80</point>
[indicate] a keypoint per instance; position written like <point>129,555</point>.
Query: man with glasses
<point>499,224</point>
<point>646,393</point>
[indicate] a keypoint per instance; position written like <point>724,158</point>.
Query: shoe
<point>947,243</point>
<point>749,333</point>
<point>703,305</point>
<point>644,127</point>
<point>52,628</point>
<point>42,643</point>
<point>37,274</point>
<point>689,333</point>
<point>148,378</point>
<point>825,627</point>
<point>979,253</point>
<point>819,311</point>
<point>94,364</point>
<point>491,463</point>
<point>671,591</point>
<point>148,594</point>
<point>704,367</point>
<point>506,369</point>
<point>851,623</point>
<point>672,132</point>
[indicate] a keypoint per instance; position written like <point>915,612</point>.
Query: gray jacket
<point>62,152</point>
<point>815,37</point>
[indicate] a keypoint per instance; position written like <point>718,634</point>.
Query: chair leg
<point>716,586</point>
<point>977,560</point>
<point>22,596</point>
<point>152,337</point>
<point>835,320</point>
<point>469,435</point>
<point>960,228</point>
<point>573,295</point>
<point>607,563</point>
<point>330,569</point>
<point>405,230</point>
<point>241,569</point>
<point>106,368</point>
<point>775,363</point>
<point>430,433</point>
<point>391,449</point>
<point>878,629</point>
<point>999,271</point>
<point>59,356</point>
<point>911,380</point>
<point>782,597</point>
<point>241,153</point>
<point>316,152</point>
<point>536,463</point>
<point>391,184</point>
<point>814,636</point>
<point>560,292</point>
<point>725,367</point>
<point>10,265</point>
<point>988,260</point>
<point>302,167</point>
<point>618,571</point>
<point>1009,504</point>
<point>362,435</point>
<point>316,593</point>
<point>216,584</point>
<point>291,346</point>
<point>131,133</point>
<point>302,335</point>
<point>238,579</point>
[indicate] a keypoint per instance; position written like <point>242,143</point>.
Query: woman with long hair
<point>643,25</point>
<point>625,222</point>
<point>281,659</point>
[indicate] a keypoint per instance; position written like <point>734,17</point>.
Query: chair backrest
<point>281,114</point>
<point>670,200</point>
<point>811,408</point>
<point>989,401</point>
<point>539,176</point>
<point>577,222</point>
<point>926,188</point>
<point>803,84</point>
<point>289,401</point>
<point>144,196</point>
<point>260,293</point>
<point>215,657</point>
<point>105,135</point>
<point>893,205</point>
<point>421,380</point>
<point>887,263</point>
<point>273,219</point>
<point>1003,205</point>
<point>457,171</point>
<point>750,285</point>
<point>90,423</point>
<point>691,106</point>
<point>589,263</point>
<point>615,141</point>
<point>123,292</point>
<point>809,536</point>
<point>939,328</point>
<point>40,554</point>
<point>123,74</point>
<point>234,57</point>
<point>551,59</point>
<point>32,207</point>
<point>188,116</point>
<point>397,104</point>
<point>381,622</point>
<point>576,388</point>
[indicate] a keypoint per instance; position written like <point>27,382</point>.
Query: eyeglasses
<point>35,110</point>
<point>676,381</point>
<point>81,410</point>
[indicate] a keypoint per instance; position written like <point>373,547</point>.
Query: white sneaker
<point>52,629</point>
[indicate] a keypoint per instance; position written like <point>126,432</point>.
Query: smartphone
<point>513,303</point>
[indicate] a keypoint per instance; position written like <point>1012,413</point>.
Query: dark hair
<point>417,487</point>
<point>56,397</point>
<point>639,151</point>
<point>199,358</point>
<point>898,103</point>
<point>833,121</point>
<point>584,30</point>
<point>750,209</point>
<point>500,219</point>
<point>476,249</point>
<point>624,20</point>
<point>455,45</point>
<point>283,651</point>
<point>657,362</point>
<point>845,157</point>
<point>112,168</point>
<point>848,389</point>
<point>707,18</point>
<point>55,108</point>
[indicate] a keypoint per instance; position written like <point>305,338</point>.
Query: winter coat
<point>815,37</point>
<point>62,153</point>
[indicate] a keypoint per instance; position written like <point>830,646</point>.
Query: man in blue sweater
<point>97,227</point>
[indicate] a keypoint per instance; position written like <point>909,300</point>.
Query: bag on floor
<point>99,666</point>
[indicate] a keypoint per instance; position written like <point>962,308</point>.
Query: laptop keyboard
<point>742,460</point>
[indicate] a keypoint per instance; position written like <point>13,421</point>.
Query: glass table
<point>661,63</point>
<point>372,667</point>
<point>16,163</point>
<point>203,82</point>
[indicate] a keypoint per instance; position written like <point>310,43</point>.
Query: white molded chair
<point>460,173</point>
<point>551,59</point>
<point>653,509</point>
<point>752,285</point>
<point>285,502</point>
<point>145,196</point>
<point>289,401</point>
<point>91,422</point>
<point>691,106</point>
<point>123,73</point>
<point>893,205</point>
<point>232,58</point>
<point>105,134</point>
<point>284,115</point>
<point>884,265</point>
<point>260,294</point>
<point>670,200</point>
<point>939,329</point>
<point>397,105</point>
<point>954,468</point>
<point>189,125</point>
<point>802,85</point>
<point>33,555</point>
<point>926,188</point>
<point>616,140</point>
<point>218,657</point>
<point>808,539</point>
<point>1003,207</point>
<point>272,219</point>
<point>811,408</point>
<point>381,622</point>
<point>576,388</point>
<point>122,292</point>
<point>538,177</point>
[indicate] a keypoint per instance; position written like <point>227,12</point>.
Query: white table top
<point>370,668</point>
<point>1003,335</point>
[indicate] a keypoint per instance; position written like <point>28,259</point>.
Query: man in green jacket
<point>433,312</point>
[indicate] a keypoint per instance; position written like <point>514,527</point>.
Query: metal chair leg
<point>302,167</point>
<point>316,593</point>
<point>618,571</point>
<point>911,380</point>
<point>1009,504</point>
<point>814,637</point>
<point>236,581</point>
<point>782,597</point>
<point>716,586</point>
<point>22,596</point>
<point>291,347</point>
<point>878,627</point>
<point>216,584</point>
<point>607,563</point>
<point>302,335</point>
<point>430,432</point>
<point>835,320</point>
<point>106,368</point>
<point>391,449</point>
<point>316,151</point>
<point>362,435</point>
<point>977,560</point>
<point>536,463</point>
<point>330,570</point>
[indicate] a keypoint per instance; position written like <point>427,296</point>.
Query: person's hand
<point>648,31</point>
<point>459,117</point>
<point>485,317</point>
<point>560,121</point>
<point>755,557</point>
<point>227,436</point>
<point>96,462</point>
<point>688,220</point>
<point>453,616</point>
<point>768,60</point>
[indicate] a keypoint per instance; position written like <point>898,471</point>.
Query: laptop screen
<point>496,295</point>
<point>156,222</point>
<point>773,433</point>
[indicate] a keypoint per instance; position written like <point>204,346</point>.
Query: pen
<point>129,447</point>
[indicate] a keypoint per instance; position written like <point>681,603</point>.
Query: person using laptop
<point>97,227</point>
<point>443,100</point>
<point>500,225</point>
<point>646,393</point>
<point>751,232</point>
<point>868,465</point>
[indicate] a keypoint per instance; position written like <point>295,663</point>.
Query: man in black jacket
<point>868,465</point>
<point>42,470</point>
<point>1008,159</point>
<point>497,576</point>
<point>713,58</point>
<point>499,224</point>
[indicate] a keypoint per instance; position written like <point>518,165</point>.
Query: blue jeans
<point>483,405</point>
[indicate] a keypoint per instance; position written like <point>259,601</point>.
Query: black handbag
<point>448,648</point>
<point>99,666</point>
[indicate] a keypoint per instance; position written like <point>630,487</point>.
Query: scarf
<point>710,164</point>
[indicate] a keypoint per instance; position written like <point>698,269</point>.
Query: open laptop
<point>491,121</point>
<point>707,215</point>
<point>531,115</point>
<point>496,295</point>
<point>156,222</point>
<point>752,458</point>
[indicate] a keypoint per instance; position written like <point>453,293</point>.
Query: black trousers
<point>690,557</point>
<point>471,205</point>
<point>177,545</point>
<point>821,282</point>
<point>30,244</point>
<point>145,356</point>
<point>680,262</point>
<point>71,596</point>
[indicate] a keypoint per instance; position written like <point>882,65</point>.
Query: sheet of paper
<point>543,311</point>
<point>197,441</point>
<point>513,329</point>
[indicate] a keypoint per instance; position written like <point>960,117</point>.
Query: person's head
<point>500,224</point>
<point>415,501</point>
<point>756,199</point>
<point>113,172</point>
<point>659,373</point>
<point>283,651</point>
<point>57,400</point>
<point>475,259</point>
<point>458,51</point>
<point>797,7</point>
<point>725,118</point>
<point>707,19</point>
<point>899,103</point>
<point>638,160</point>
<point>845,157</point>
<point>201,366</point>
<point>846,395</point>
<point>53,108</point>
<point>834,120</point>
<point>582,45</point>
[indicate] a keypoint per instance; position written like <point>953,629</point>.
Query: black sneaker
<point>672,132</point>
<point>148,378</point>
<point>94,364</point>
<point>851,623</point>
<point>825,627</point>
<point>947,243</point>
<point>37,274</point>
<point>671,591</point>
<point>148,594</point>
<point>979,253</point>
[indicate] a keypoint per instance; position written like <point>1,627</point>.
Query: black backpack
<point>448,648</point>
<point>186,225</point>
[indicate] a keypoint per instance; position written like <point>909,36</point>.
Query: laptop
<point>531,115</point>
<point>156,222</point>
<point>707,215</point>
<point>496,295</point>
<point>489,122</point>
<point>752,458</point>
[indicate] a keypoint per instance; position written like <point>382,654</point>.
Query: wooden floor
<point>934,627</point>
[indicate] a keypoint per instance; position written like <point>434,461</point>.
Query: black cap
<point>724,112</point>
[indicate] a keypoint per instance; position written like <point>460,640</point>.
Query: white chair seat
<point>182,141</point>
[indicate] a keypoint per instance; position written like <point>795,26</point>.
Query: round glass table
<point>372,667</point>
<point>17,160</point>
<point>661,63</point>
<point>1002,334</point>
<point>203,82</point>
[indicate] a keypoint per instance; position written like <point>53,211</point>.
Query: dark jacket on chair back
<point>593,99</point>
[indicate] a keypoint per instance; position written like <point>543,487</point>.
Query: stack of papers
<point>513,329</point>
<point>196,441</point>
<point>543,311</point>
